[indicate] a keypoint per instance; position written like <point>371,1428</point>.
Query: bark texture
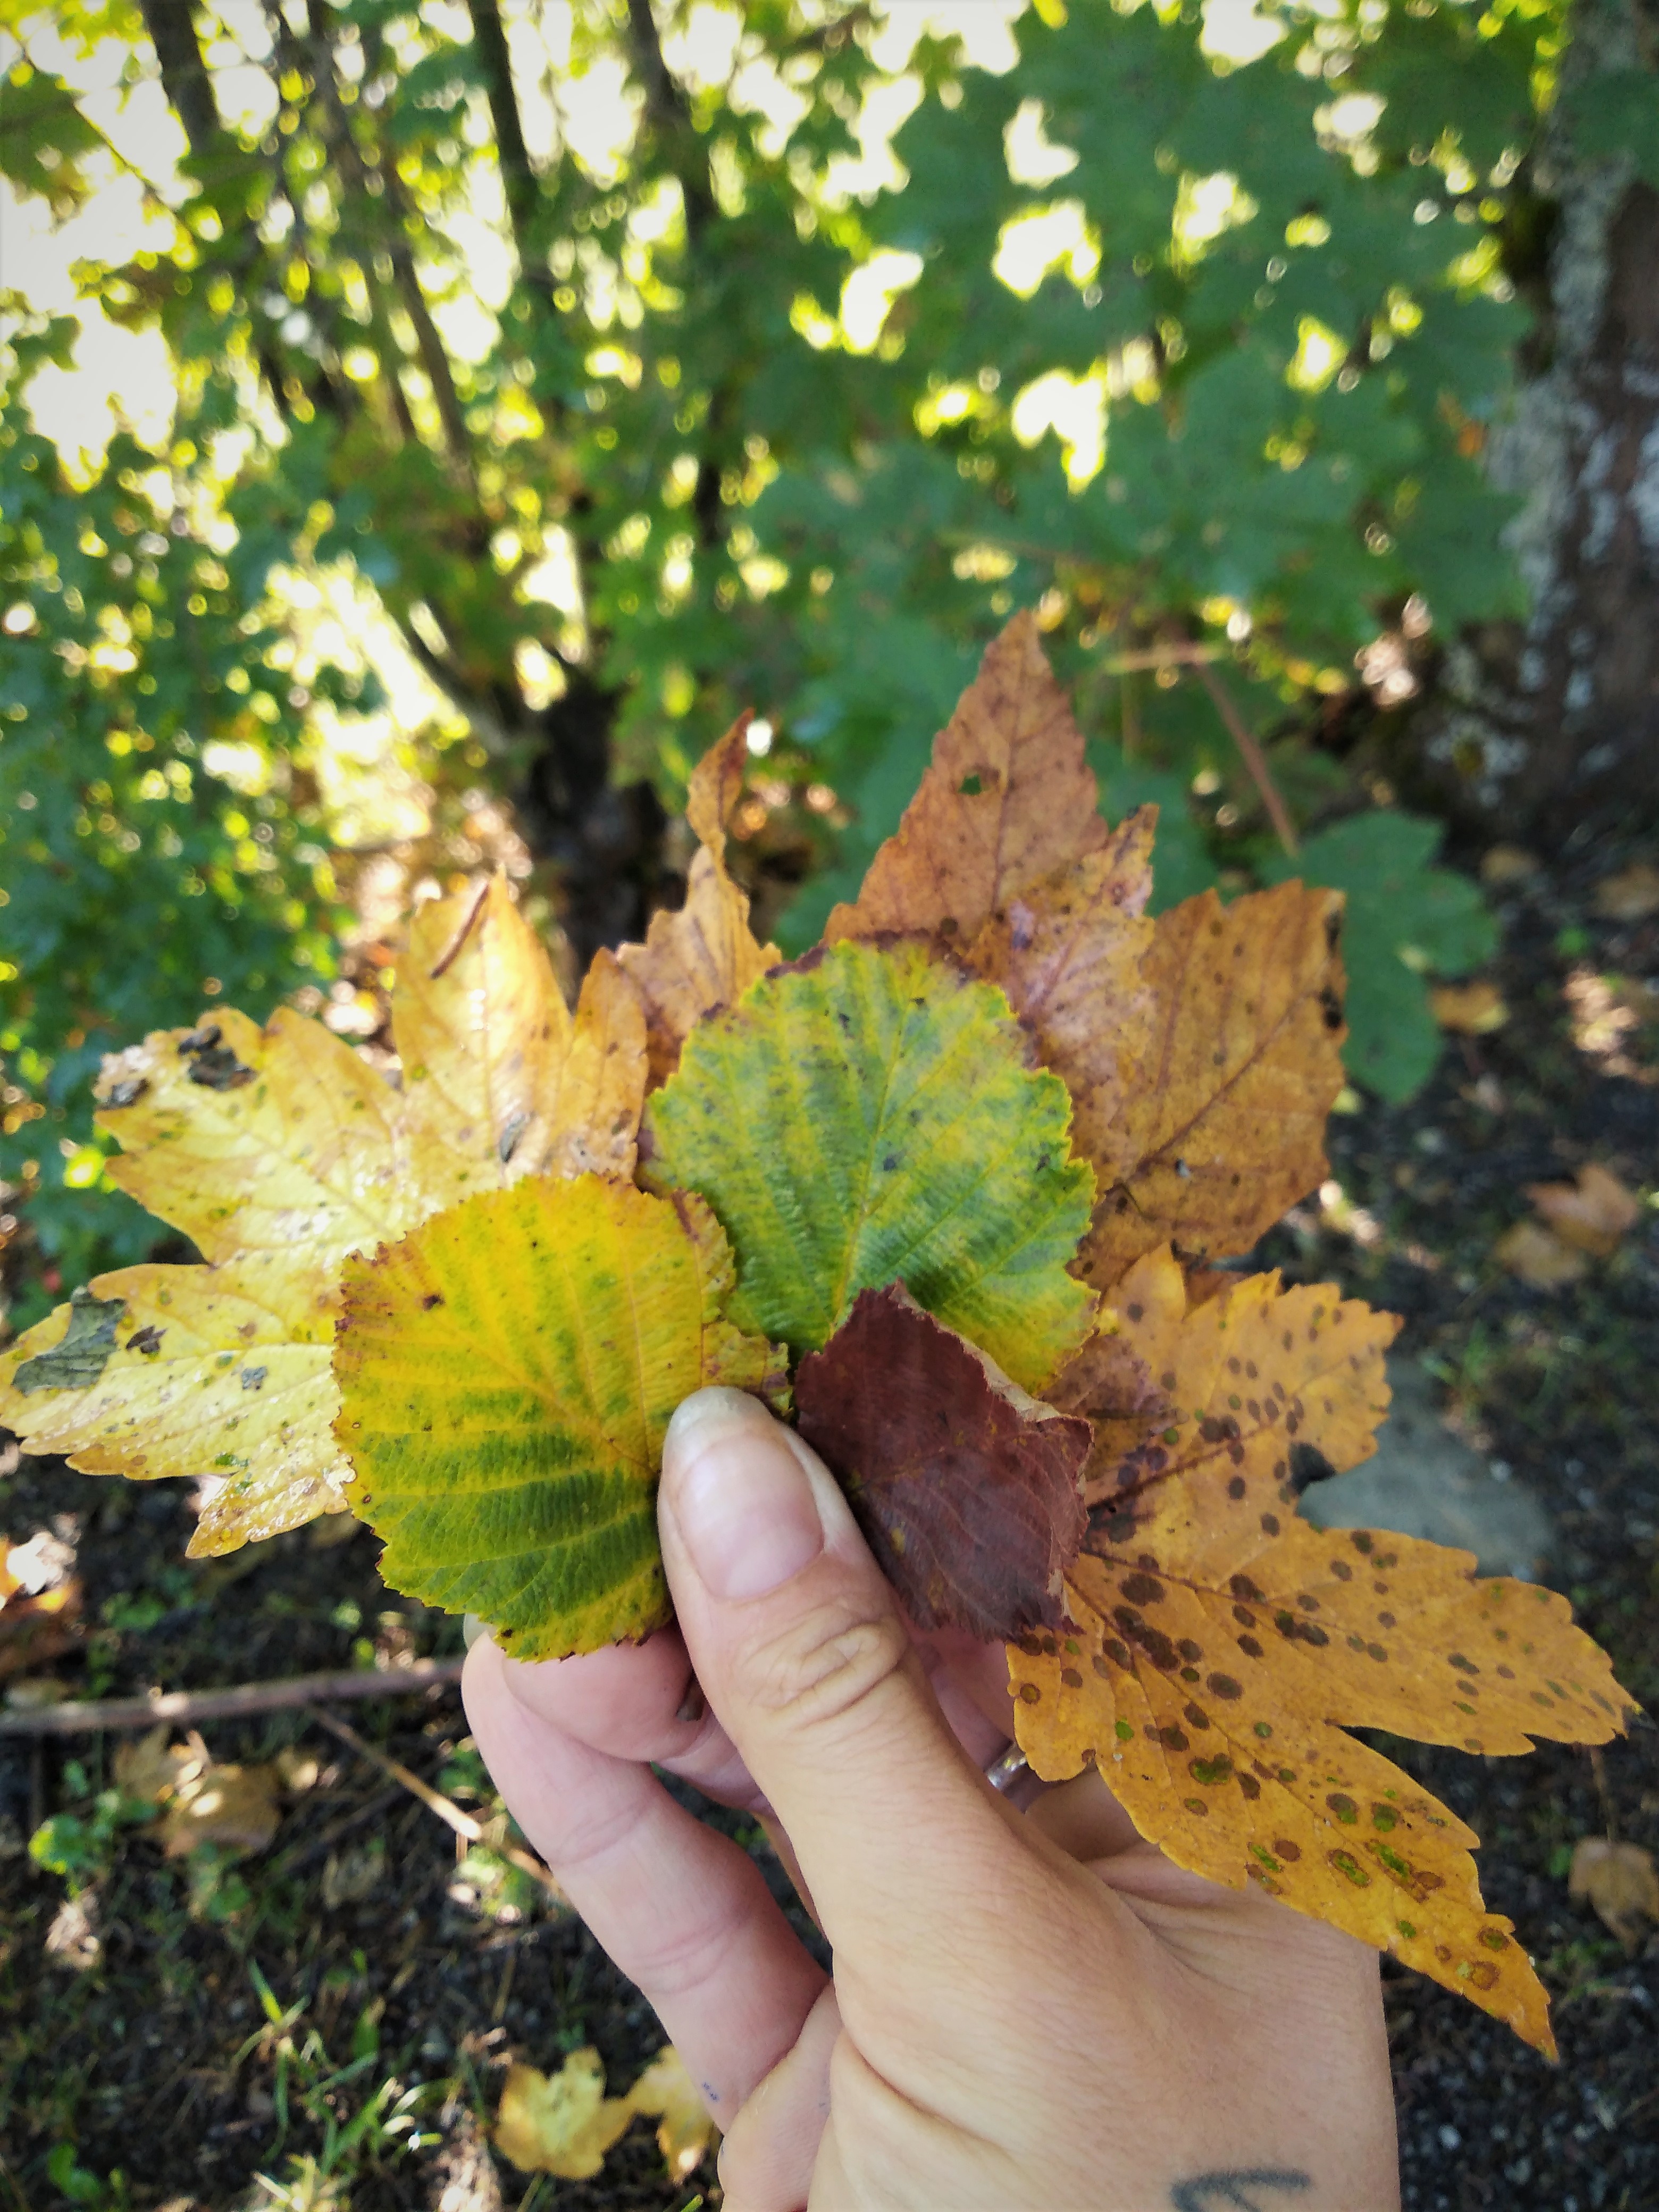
<point>1537,728</point>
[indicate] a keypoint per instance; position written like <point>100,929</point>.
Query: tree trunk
<point>1535,729</point>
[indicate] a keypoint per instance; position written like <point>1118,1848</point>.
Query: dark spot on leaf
<point>1235,1487</point>
<point>213,1065</point>
<point>432,1298</point>
<point>1223,1686</point>
<point>254,1377</point>
<point>80,1357</point>
<point>147,1340</point>
<point>1142,1590</point>
<point>1344,1807</point>
<point>1249,1647</point>
<point>1270,1524</point>
<point>128,1093</point>
<point>515,1127</point>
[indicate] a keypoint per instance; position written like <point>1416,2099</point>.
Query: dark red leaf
<point>966,1488</point>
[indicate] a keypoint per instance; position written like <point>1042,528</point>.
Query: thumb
<point>799,1646</point>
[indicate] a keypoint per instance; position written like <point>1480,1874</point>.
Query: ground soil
<point>132,2033</point>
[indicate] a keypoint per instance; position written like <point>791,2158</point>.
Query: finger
<point>798,1641</point>
<point>1083,1820</point>
<point>684,1912</point>
<point>766,2160</point>
<point>638,1702</point>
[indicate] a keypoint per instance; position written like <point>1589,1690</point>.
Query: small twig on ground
<point>188,1706</point>
<point>1253,758</point>
<point>464,1825</point>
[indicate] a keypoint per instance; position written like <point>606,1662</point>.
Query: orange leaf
<point>705,957</point>
<point>1469,1009</point>
<point>1225,1084</point>
<point>1068,952</point>
<point>1592,1213</point>
<point>1007,801</point>
<point>1218,1645</point>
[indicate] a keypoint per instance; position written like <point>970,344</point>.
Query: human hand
<point>1028,2010</point>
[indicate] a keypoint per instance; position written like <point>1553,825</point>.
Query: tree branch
<point>186,1707</point>
<point>519,181</point>
<point>669,114</point>
<point>184,71</point>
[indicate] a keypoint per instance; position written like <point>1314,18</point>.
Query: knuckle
<point>819,1665</point>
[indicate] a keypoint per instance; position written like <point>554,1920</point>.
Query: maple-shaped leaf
<point>506,1375</point>
<point>499,1079</point>
<point>1217,1123</point>
<point>871,1116</point>
<point>1217,1646</point>
<point>966,1487</point>
<point>280,1150</point>
<point>705,957</point>
<point>561,2123</point>
<point>201,1372</point>
<point>1007,800</point>
<point>1068,951</point>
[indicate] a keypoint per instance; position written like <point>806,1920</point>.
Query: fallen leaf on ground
<point>561,2123</point>
<point>233,1805</point>
<point>1592,1213</point>
<point>705,957</point>
<point>872,1113</point>
<point>1217,1646</point>
<point>1618,1879</point>
<point>1539,1257</point>
<point>37,1624</point>
<point>150,1768</point>
<point>1469,1009</point>
<point>1630,896</point>
<point>1007,800</point>
<point>1227,1082</point>
<point>507,1374</point>
<point>667,2093</point>
<point>966,1488</point>
<point>1507,864</point>
<point>351,1875</point>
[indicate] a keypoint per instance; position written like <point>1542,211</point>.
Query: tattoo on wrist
<point>1241,2188</point>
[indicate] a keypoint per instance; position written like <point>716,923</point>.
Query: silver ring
<point>1009,1768</point>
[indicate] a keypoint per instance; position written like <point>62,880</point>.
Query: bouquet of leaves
<point>953,1187</point>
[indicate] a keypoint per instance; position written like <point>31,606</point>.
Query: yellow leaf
<point>150,1768</point>
<point>1619,1882</point>
<point>561,2125</point>
<point>1217,1646</point>
<point>1227,1084</point>
<point>1632,895</point>
<point>506,1375</point>
<point>665,2093</point>
<point>234,1807</point>
<point>1594,1213</point>
<point>1538,1256</point>
<point>498,1081</point>
<point>280,1151</point>
<point>1007,801</point>
<point>220,1371</point>
<point>705,957</point>
<point>1469,1009</point>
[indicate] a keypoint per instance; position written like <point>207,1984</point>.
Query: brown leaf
<point>1068,952</point>
<point>1632,895</point>
<point>966,1488</point>
<point>705,957</point>
<point>1618,1879</point>
<point>1007,801</point>
<point>1469,1009</point>
<point>1539,1257</point>
<point>1225,1084</point>
<point>1217,1646</point>
<point>1592,1213</point>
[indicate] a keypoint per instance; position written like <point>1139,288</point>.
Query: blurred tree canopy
<point>609,349</point>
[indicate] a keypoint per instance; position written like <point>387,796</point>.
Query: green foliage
<point>1406,921</point>
<point>670,470</point>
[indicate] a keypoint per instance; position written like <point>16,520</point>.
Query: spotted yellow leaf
<point>1217,1647</point>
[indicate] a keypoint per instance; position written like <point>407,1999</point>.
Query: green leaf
<point>1406,919</point>
<point>871,1117</point>
<point>506,1375</point>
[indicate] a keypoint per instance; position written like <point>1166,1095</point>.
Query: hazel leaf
<point>1225,1075</point>
<point>868,1116</point>
<point>1007,800</point>
<point>506,1375</point>
<point>1217,1647</point>
<point>965,1487</point>
<point>705,957</point>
